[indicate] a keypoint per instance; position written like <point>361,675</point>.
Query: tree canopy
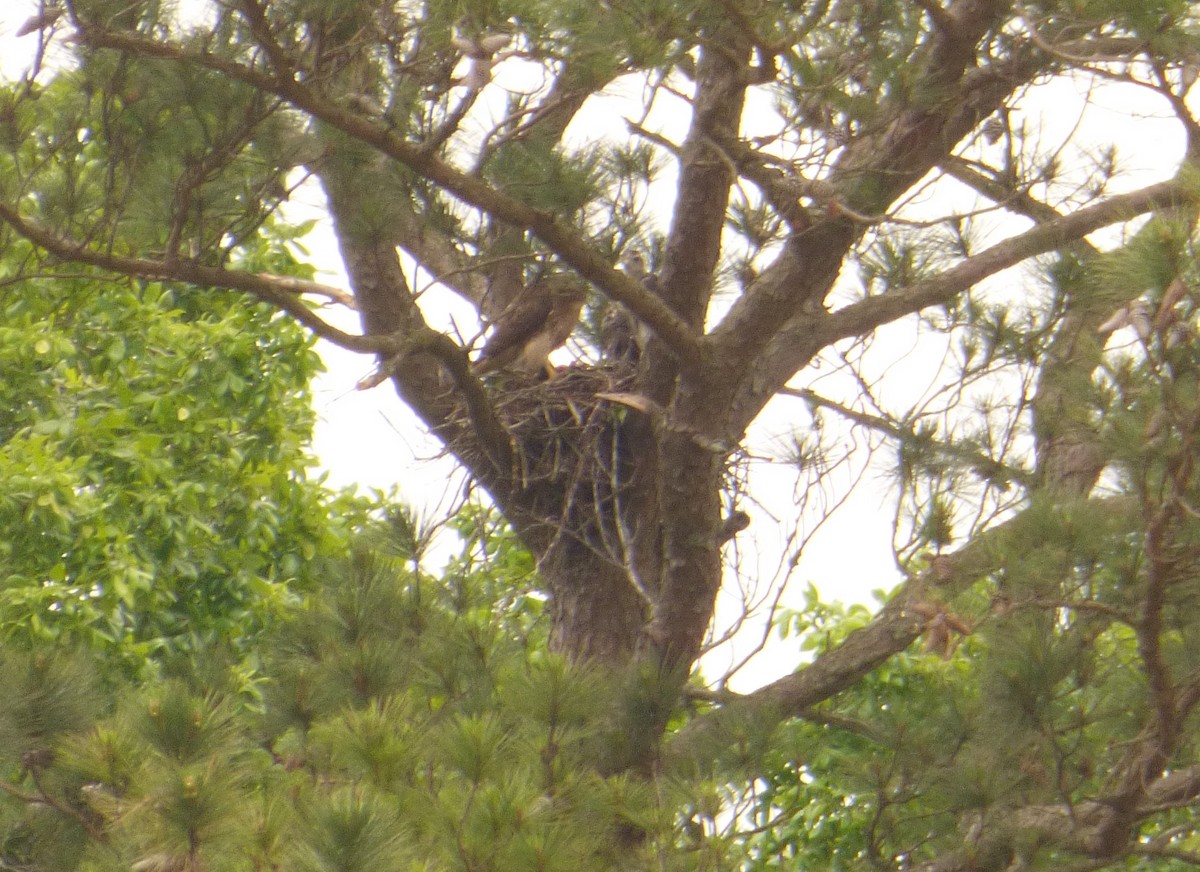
<point>836,173</point>
<point>154,492</point>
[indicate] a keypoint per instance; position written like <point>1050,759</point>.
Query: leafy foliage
<point>152,467</point>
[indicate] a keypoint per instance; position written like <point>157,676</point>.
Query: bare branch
<point>281,291</point>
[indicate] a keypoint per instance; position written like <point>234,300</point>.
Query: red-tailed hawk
<point>534,325</point>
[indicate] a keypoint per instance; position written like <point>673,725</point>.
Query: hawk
<point>621,336</point>
<point>535,324</point>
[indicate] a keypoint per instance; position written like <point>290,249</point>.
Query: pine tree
<point>838,173</point>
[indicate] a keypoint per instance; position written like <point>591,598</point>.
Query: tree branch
<point>94,830</point>
<point>694,242</point>
<point>1080,827</point>
<point>893,630</point>
<point>773,330</point>
<point>783,191</point>
<point>689,468</point>
<point>896,626</point>
<point>941,19</point>
<point>1007,196</point>
<point>281,291</point>
<point>437,255</point>
<point>560,238</point>
<point>904,434</point>
<point>859,318</point>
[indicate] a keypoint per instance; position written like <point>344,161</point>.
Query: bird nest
<point>563,431</point>
<point>572,449</point>
<point>562,428</point>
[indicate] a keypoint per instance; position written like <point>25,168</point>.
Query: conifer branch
<point>776,325</point>
<point>1008,196</point>
<point>976,459</point>
<point>94,831</point>
<point>859,318</point>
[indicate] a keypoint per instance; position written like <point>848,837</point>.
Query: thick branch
<point>891,632</point>
<point>783,191</point>
<point>694,243</point>
<point>353,183</point>
<point>689,470</point>
<point>1082,827</point>
<point>874,170</point>
<point>437,255</point>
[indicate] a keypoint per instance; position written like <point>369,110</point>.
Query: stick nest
<point>561,431</point>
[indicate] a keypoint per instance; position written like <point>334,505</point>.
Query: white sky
<point>370,439</point>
